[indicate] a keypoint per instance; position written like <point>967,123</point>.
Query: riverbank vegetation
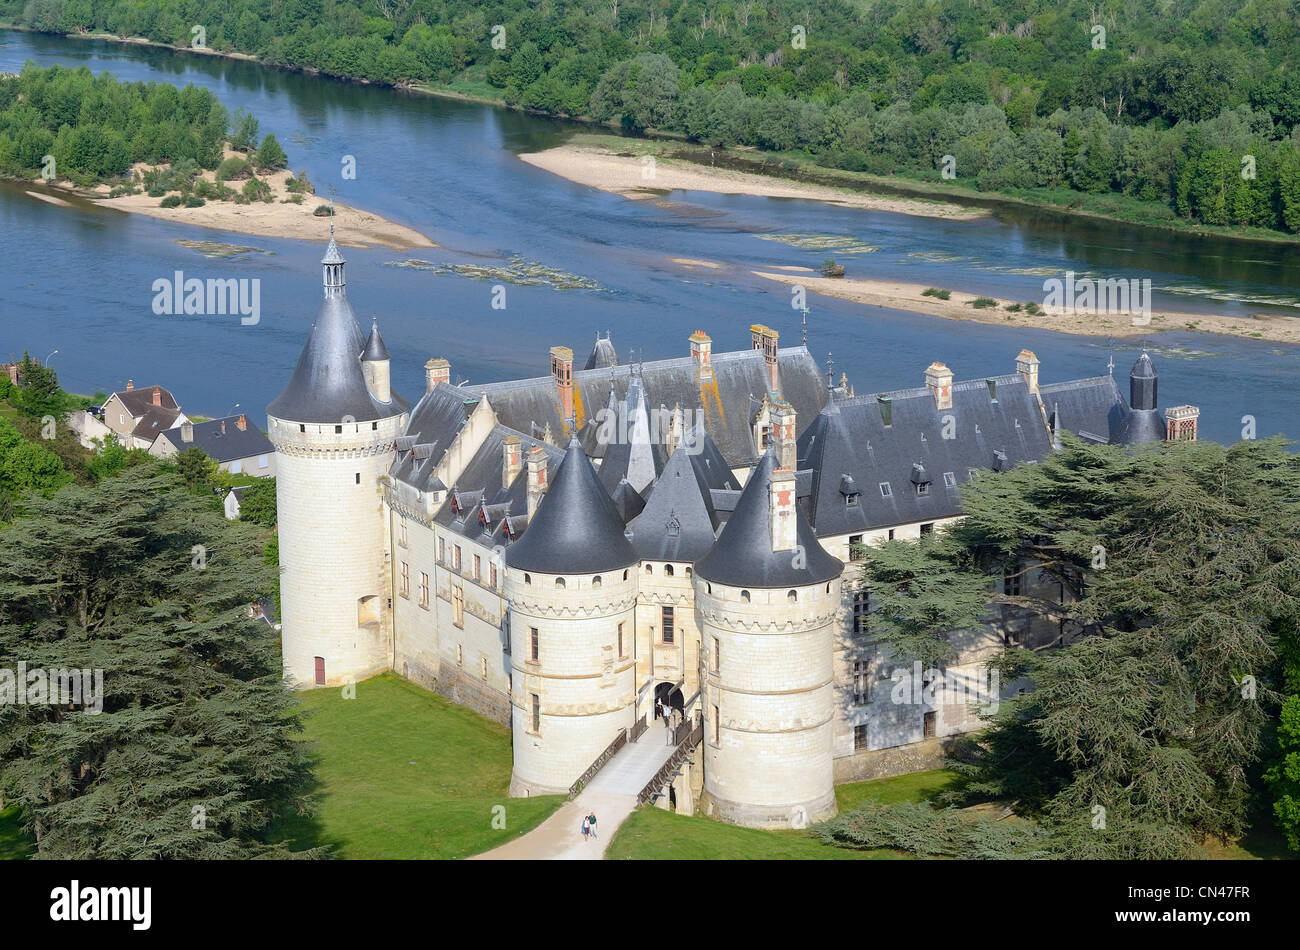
<point>180,145</point>
<point>1190,108</point>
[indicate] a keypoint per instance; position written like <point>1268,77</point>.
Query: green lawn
<point>406,774</point>
<point>654,834</point>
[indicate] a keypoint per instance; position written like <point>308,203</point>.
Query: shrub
<point>979,303</point>
<point>1013,307</point>
<point>936,292</point>
<point>156,191</point>
<point>194,201</point>
<point>322,211</point>
<point>171,201</point>
<point>1031,307</point>
<point>234,169</point>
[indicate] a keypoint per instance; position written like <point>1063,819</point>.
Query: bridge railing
<point>638,729</point>
<point>691,735</point>
<point>610,751</point>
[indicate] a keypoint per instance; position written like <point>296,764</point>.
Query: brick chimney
<point>187,432</point>
<point>783,427</point>
<point>436,371</point>
<point>510,460</point>
<point>241,423</point>
<point>562,370</point>
<point>1180,423</point>
<point>702,354</point>
<point>536,478</point>
<point>939,378</point>
<point>157,395</point>
<point>765,338</point>
<point>1027,366</point>
<point>223,426</point>
<point>130,385</point>
<point>781,498</point>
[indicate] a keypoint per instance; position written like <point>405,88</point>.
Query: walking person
<point>591,823</point>
<point>586,829</point>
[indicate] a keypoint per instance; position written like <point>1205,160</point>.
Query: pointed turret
<point>577,529</point>
<point>767,542</point>
<point>1143,422</point>
<point>375,365</point>
<point>329,384</point>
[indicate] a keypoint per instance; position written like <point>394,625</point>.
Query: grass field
<point>406,774</point>
<point>654,834</point>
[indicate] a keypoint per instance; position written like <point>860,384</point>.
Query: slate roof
<point>679,521</point>
<point>234,443</point>
<point>430,430</point>
<point>1090,408</point>
<point>140,400</point>
<point>155,421</point>
<point>576,529</point>
<point>479,506</point>
<point>728,400</point>
<point>375,350</point>
<point>602,354</point>
<point>327,385</point>
<point>850,438</point>
<point>627,501</point>
<point>629,452</point>
<point>743,555</point>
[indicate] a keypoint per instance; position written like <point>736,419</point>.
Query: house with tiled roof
<point>137,416</point>
<point>236,446</point>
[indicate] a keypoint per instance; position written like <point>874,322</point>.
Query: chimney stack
<point>223,426</point>
<point>157,395</point>
<point>702,354</point>
<point>536,478</point>
<point>510,460</point>
<point>436,371</point>
<point>130,385</point>
<point>781,498</point>
<point>562,370</point>
<point>187,432</point>
<point>1027,366</point>
<point>765,338</point>
<point>241,423</point>
<point>939,378</point>
<point>1180,423</point>
<point>784,426</point>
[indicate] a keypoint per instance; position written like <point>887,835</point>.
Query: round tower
<point>334,429</point>
<point>571,587</point>
<point>766,599</point>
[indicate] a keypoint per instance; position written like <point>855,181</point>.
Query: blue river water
<point>79,280</point>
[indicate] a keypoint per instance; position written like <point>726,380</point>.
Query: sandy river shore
<point>633,177</point>
<point>900,296</point>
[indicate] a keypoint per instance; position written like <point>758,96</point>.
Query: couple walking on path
<point>589,826</point>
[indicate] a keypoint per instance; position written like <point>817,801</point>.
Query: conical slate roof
<point>375,350</point>
<point>328,385</point>
<point>576,529</point>
<point>627,501</point>
<point>1143,422</point>
<point>743,555</point>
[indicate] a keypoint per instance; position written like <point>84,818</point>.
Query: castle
<point>560,552</point>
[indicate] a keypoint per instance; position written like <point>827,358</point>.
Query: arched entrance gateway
<point>670,695</point>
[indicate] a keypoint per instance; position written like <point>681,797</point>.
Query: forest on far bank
<point>1190,106</point>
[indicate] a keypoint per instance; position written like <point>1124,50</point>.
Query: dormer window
<point>950,479</point>
<point>885,490</point>
<point>920,479</point>
<point>674,527</point>
<point>849,489</point>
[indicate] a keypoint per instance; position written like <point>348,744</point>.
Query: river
<point>79,280</point>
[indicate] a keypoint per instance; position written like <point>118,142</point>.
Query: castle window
<point>885,490</point>
<point>492,575</point>
<point>478,568</point>
<point>649,569</point>
<point>442,550</point>
<point>792,596</point>
<point>929,724</point>
<point>528,579</point>
<point>338,430</point>
<point>861,610</point>
<point>424,590</point>
<point>484,666</point>
<point>717,655</point>
<point>455,557</point>
<point>559,583</point>
<point>859,682</point>
<point>669,623</point>
<point>625,575</point>
<point>358,478</point>
<point>458,605</point>
<point>668,570</point>
<point>620,641</point>
<point>859,737</point>
<point>744,596</point>
<point>301,427</point>
<point>923,488</point>
<point>595,582</point>
<point>406,579</point>
<point>950,479</point>
<point>891,534</point>
<point>717,726</point>
<point>855,547</point>
<point>537,713</point>
<point>1011,580</point>
<point>927,528</point>
<point>534,644</point>
<point>460,655</point>
<point>404,537</point>
<point>688,572</point>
